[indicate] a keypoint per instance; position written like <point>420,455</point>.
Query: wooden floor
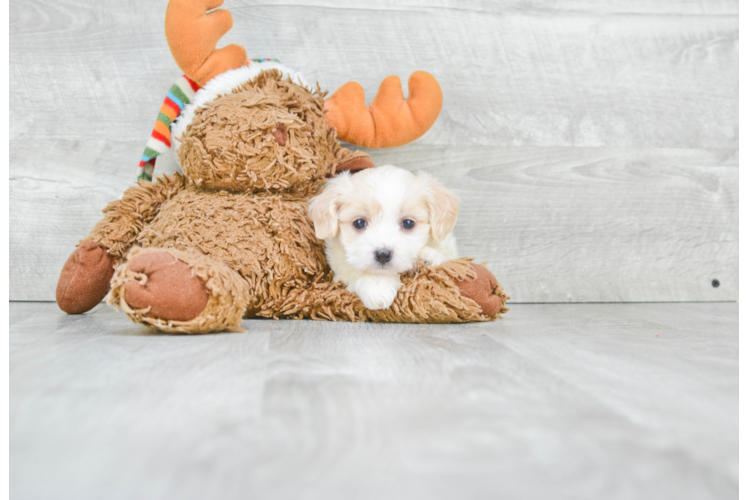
<point>603,401</point>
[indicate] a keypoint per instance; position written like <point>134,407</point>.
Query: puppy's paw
<point>379,299</point>
<point>377,292</point>
<point>432,257</point>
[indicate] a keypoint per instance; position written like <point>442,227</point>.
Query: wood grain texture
<point>561,224</point>
<point>654,83</point>
<point>544,77</point>
<point>589,225</point>
<point>621,401</point>
<point>743,232</point>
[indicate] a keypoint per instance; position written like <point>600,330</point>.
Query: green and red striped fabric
<point>180,94</point>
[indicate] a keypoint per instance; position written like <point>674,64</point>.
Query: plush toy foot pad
<point>171,291</point>
<point>84,280</point>
<point>481,290</point>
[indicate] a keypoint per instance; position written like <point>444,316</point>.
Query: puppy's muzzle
<point>383,255</point>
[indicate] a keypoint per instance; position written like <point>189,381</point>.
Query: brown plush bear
<point>231,238</point>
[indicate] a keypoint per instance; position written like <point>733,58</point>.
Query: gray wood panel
<point>555,101</point>
<point>546,77</point>
<point>554,224</point>
<point>595,224</point>
<point>744,228</point>
<point>615,401</point>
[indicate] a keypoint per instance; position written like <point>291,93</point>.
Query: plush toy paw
<point>84,280</point>
<point>483,290</point>
<point>170,290</point>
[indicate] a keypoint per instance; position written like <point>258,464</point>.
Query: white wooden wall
<point>594,144</point>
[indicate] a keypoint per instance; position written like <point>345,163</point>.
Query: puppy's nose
<point>383,255</point>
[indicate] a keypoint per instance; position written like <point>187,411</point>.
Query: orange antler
<point>193,30</point>
<point>391,120</point>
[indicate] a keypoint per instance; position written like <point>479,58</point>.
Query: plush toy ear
<point>323,208</point>
<point>391,120</point>
<point>360,161</point>
<point>443,208</point>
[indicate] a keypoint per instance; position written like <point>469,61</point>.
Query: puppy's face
<point>383,217</point>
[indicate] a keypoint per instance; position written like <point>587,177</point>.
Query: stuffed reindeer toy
<point>230,237</point>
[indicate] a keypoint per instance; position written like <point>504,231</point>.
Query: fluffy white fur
<point>223,84</point>
<point>383,197</point>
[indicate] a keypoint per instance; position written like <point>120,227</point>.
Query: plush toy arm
<point>324,300</point>
<point>124,219</point>
<point>457,291</point>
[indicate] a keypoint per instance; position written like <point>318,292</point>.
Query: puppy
<point>377,223</point>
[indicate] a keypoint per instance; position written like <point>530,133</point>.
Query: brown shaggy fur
<point>124,219</point>
<point>230,144</point>
<point>238,218</point>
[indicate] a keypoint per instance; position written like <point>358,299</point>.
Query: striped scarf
<point>180,94</point>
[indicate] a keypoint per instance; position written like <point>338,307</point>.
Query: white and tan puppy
<point>377,223</point>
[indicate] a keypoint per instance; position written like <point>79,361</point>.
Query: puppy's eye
<point>359,223</point>
<point>408,224</point>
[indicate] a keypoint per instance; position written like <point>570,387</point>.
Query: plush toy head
<point>253,131</point>
<point>267,134</point>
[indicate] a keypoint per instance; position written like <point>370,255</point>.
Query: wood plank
<point>521,78</point>
<point>610,7</point>
<point>554,224</point>
<point>743,228</point>
<point>594,225</point>
<point>515,78</point>
<point>620,401</point>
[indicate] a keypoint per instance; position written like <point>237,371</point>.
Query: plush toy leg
<point>457,291</point>
<point>179,291</point>
<point>84,280</point>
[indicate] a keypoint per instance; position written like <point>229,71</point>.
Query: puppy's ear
<point>323,208</point>
<point>443,208</point>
